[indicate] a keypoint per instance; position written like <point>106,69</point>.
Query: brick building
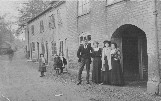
<point>133,24</point>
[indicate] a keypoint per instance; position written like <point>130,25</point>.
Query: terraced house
<point>133,24</point>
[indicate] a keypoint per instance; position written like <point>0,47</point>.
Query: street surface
<point>21,81</point>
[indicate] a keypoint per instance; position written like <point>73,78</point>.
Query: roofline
<point>43,12</point>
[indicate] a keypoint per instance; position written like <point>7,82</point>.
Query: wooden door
<point>131,59</point>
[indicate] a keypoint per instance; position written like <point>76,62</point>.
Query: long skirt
<point>42,68</point>
<point>106,75</point>
<point>96,72</point>
<point>116,73</point>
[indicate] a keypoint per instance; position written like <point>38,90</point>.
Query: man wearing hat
<point>84,55</point>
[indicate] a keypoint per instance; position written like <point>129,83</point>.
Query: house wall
<point>158,16</point>
<point>48,35</point>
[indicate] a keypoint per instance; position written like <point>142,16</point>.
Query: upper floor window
<point>52,21</point>
<point>41,26</point>
<point>83,7</point>
<point>32,29</point>
<point>110,2</point>
<point>59,16</point>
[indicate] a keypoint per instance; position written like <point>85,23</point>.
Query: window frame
<point>114,2</point>
<point>32,29</point>
<point>52,21</point>
<point>41,26</point>
<point>33,46</point>
<point>84,8</point>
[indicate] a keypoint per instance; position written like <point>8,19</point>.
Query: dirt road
<point>21,81</point>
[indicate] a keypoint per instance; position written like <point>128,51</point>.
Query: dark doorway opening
<point>133,45</point>
<point>47,55</point>
<point>38,53</point>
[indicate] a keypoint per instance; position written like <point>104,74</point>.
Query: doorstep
<point>29,60</point>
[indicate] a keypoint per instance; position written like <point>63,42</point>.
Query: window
<point>84,36</point>
<point>61,48</point>
<point>32,29</point>
<point>54,49</point>
<point>59,17</point>
<point>109,2</point>
<point>83,7</point>
<point>33,46</point>
<point>41,26</point>
<point>52,21</point>
<point>43,48</point>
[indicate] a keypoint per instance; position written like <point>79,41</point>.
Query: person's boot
<point>42,74</point>
<point>79,83</point>
<point>87,82</point>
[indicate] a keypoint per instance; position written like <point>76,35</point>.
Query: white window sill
<point>108,5</point>
<point>83,14</point>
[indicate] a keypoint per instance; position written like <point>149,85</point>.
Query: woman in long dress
<point>116,75</point>
<point>106,63</point>
<point>96,55</point>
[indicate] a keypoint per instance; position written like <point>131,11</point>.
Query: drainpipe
<point>156,32</point>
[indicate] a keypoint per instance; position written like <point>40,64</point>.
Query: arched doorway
<point>133,45</point>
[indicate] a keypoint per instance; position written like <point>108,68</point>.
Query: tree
<point>6,35</point>
<point>31,8</point>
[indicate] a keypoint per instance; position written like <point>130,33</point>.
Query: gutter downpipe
<point>156,34</point>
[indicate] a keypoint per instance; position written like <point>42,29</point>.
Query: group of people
<point>59,63</point>
<point>106,63</point>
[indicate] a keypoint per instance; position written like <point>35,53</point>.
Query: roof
<point>57,3</point>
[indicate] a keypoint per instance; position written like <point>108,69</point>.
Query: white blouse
<point>106,52</point>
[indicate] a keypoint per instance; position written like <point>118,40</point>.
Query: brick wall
<point>72,37</point>
<point>159,29</point>
<point>98,21</point>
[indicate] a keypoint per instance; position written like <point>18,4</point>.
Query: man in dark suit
<point>84,55</point>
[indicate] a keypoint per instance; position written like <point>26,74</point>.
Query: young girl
<point>42,66</point>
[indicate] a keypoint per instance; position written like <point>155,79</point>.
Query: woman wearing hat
<point>106,63</point>
<point>96,55</point>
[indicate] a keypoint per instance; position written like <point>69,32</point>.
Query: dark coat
<point>42,66</point>
<point>84,53</point>
<point>58,62</point>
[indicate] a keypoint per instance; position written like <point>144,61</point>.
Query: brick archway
<point>132,42</point>
<point>152,52</point>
